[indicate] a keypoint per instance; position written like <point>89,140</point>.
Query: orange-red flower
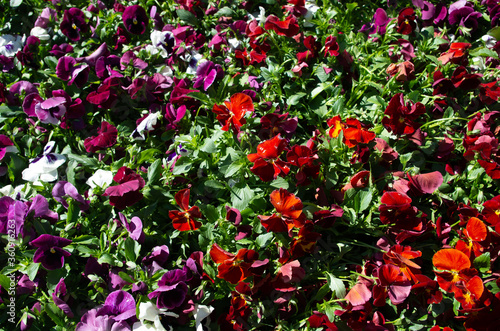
<point>185,220</point>
<point>474,235</point>
<point>235,268</point>
<point>352,129</point>
<point>288,212</point>
<point>267,164</point>
<point>233,111</point>
<point>455,275</point>
<point>401,256</point>
<point>457,53</point>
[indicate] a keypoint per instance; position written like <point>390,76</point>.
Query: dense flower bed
<point>258,165</point>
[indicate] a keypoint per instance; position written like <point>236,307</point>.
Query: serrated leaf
<point>264,239</point>
<point>154,172</point>
<point>321,74</point>
<point>362,200</point>
<point>336,285</point>
<point>280,182</point>
<point>52,310</point>
<point>210,213</point>
<point>209,146</point>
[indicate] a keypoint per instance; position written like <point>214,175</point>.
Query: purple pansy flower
<point>174,115</point>
<point>157,259</point>
<point>62,190</point>
<point>6,146</point>
<point>119,304</point>
<point>59,296</point>
<point>206,73</point>
<point>135,19</point>
<point>73,23</point>
<point>134,227</point>
<point>50,252</point>
<point>92,58</point>
<point>51,110</point>
<point>379,23</point>
<point>68,69</point>
<point>462,13</point>
<point>172,289</point>
<point>61,50</point>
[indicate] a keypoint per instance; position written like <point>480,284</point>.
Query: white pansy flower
<point>101,178</point>
<point>44,168</point>
<point>146,125</point>
<point>261,17</point>
<point>200,313</point>
<point>234,43</point>
<point>14,192</point>
<point>162,42</point>
<point>150,313</point>
<point>10,45</point>
<point>312,8</point>
<point>40,33</point>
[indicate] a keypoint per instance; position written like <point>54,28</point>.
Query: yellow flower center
<point>73,26</point>
<point>52,250</point>
<point>135,20</point>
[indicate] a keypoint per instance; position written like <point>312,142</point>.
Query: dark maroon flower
<point>172,289</point>
<point>135,19</point>
<point>50,252</point>
<point>127,192</point>
<point>6,63</point>
<point>102,50</point>
<point>73,23</point>
<point>106,94</point>
<point>106,137</point>
<point>402,117</point>
<point>274,123</point>
<point>406,21</point>
<point>425,183</point>
<point>465,81</point>
<point>331,46</point>
<point>156,259</point>
<point>121,37</point>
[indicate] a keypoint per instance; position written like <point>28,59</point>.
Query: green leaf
<point>483,262</point>
<point>208,146</point>
<point>484,52</point>
<point>214,184</point>
<point>233,168</point>
<point>32,270</point>
<point>15,3</point>
<point>187,16</point>
<point>148,156</point>
<point>154,172</point>
<point>132,249</point>
<point>336,285</point>
<point>224,11</point>
<point>84,160</point>
<point>362,199</point>
<point>280,182</point>
<point>321,74</point>
<point>210,213</point>
<point>241,195</point>
<point>495,33</point>
<point>338,106</point>
<point>53,311</point>
<point>4,282</point>
<point>264,239</point>
<point>182,165</point>
<point>294,99</point>
<point>203,97</point>
<point>126,277</point>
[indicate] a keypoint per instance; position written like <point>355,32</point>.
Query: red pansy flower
<point>336,126</point>
<point>249,58</point>
<point>185,220</point>
<point>127,192</point>
<point>303,157</point>
<point>491,212</point>
<point>288,212</point>
<point>395,207</point>
<point>235,268</point>
<point>401,256</point>
<point>489,92</point>
<point>233,111</point>
<point>305,243</point>
<point>453,267</point>
<point>402,117</point>
<point>391,283</point>
<point>289,27</point>
<point>457,54</point>
<point>354,134</point>
<point>267,164</point>
<point>106,137</point>
<point>331,46</point>
<point>274,124</point>
<point>465,81</point>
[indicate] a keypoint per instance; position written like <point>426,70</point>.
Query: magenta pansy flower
<point>50,252</point>
<point>127,192</point>
<point>106,137</point>
<point>135,19</point>
<point>73,23</point>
